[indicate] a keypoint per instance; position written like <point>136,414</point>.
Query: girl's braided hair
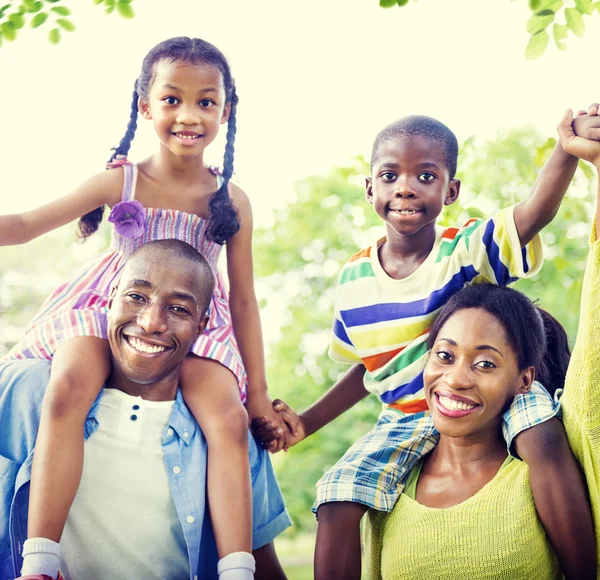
<point>223,215</point>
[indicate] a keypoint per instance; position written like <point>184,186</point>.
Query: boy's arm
<point>348,391</point>
<point>539,209</point>
<point>560,496</point>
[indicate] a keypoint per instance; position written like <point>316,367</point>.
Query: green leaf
<point>402,2</point>
<point>538,23</point>
<point>34,6</point>
<point>553,5</point>
<point>4,9</point>
<point>109,10</point>
<point>584,6</point>
<point>8,31</point>
<point>17,20</point>
<point>559,31</point>
<point>575,21</point>
<point>110,3</point>
<point>65,24</point>
<point>387,3</point>
<point>62,10</point>
<point>534,4</point>
<point>39,19</point>
<point>597,6</point>
<point>54,36</point>
<point>125,9</point>
<point>537,45</point>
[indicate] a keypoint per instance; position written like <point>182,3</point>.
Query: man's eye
<point>206,103</point>
<point>388,176</point>
<point>170,100</point>
<point>179,310</point>
<point>426,176</point>
<point>135,296</point>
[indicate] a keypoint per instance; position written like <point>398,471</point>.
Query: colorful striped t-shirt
<point>383,323</point>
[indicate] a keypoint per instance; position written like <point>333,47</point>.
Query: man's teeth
<point>453,405</point>
<point>144,346</point>
<point>187,136</point>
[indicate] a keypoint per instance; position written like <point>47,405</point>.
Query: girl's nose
<point>188,116</point>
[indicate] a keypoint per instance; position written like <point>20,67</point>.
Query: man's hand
<point>267,431</point>
<point>580,137</point>
<point>261,411</point>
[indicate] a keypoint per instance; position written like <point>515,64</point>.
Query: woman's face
<point>472,374</point>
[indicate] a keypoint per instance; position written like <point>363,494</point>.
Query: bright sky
<point>317,79</point>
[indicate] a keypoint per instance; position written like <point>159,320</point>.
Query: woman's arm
<point>102,189</point>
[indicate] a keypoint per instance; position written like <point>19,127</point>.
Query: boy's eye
<point>206,103</point>
<point>388,176</point>
<point>170,100</point>
<point>426,176</point>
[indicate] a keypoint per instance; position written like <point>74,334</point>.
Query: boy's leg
<point>371,474</point>
<point>211,392</point>
<point>79,369</point>
<point>557,483</point>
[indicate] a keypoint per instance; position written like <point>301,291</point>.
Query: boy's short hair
<point>421,126</point>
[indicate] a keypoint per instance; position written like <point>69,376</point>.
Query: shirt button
<point>135,407</point>
<point>186,434</point>
<point>190,519</point>
<point>169,432</point>
<point>133,417</point>
<point>195,577</point>
<point>177,470</point>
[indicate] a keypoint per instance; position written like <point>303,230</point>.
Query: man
<point>140,511</point>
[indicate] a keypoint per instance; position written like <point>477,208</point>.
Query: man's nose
<point>152,319</point>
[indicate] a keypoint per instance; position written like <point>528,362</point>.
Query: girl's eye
<point>170,100</point>
<point>426,176</point>
<point>486,364</point>
<point>206,103</point>
<point>388,176</point>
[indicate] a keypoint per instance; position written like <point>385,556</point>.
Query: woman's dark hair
<point>537,338</point>
<point>223,223</point>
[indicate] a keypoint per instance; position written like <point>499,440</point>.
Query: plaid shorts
<point>373,471</point>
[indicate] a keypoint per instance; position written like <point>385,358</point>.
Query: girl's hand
<point>587,123</point>
<point>266,430</point>
<point>585,143</point>
<point>261,413</point>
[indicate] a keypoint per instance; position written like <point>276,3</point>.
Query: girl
<point>186,89</point>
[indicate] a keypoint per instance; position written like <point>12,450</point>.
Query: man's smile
<point>144,346</point>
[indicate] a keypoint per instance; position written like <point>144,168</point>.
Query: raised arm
<point>101,189</point>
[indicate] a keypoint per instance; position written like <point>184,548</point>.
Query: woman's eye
<point>486,364</point>
<point>426,176</point>
<point>443,355</point>
<point>170,100</point>
<point>206,103</point>
<point>388,176</point>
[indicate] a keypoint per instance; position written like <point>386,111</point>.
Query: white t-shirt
<point>123,523</point>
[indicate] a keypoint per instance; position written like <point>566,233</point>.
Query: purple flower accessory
<point>129,218</point>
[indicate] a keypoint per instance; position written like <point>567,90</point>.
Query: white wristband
<point>237,566</point>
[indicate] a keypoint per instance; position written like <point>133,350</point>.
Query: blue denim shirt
<point>22,386</point>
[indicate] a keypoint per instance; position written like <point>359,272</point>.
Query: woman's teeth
<point>453,405</point>
<point>142,346</point>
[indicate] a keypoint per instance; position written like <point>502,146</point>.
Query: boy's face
<point>410,184</point>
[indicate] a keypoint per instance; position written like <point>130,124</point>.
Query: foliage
<point>298,261</point>
<point>563,16</point>
<point>16,14</point>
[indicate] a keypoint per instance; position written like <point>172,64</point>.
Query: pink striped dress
<point>79,306</point>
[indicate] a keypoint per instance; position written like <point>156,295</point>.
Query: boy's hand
<point>587,148</point>
<point>587,123</point>
<point>261,412</point>
<point>266,431</point>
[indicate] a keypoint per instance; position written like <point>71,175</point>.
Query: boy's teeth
<point>144,346</point>
<point>453,405</point>
<point>406,211</point>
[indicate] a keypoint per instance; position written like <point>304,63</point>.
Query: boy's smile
<point>409,186</point>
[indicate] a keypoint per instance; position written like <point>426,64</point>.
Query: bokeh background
<point>316,80</point>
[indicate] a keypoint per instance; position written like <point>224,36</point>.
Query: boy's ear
<point>144,109</point>
<point>226,112</point>
<point>453,191</point>
<point>369,189</point>
<point>527,379</point>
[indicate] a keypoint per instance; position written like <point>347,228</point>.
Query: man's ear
<point>369,189</point>
<point>226,112</point>
<point>113,293</point>
<point>144,109</point>
<point>453,191</point>
<point>202,324</point>
<point>527,378</point>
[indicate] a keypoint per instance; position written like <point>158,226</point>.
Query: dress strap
<point>129,183</point>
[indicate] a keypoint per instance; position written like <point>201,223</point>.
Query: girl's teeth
<point>453,405</point>
<point>186,136</point>
<point>144,346</point>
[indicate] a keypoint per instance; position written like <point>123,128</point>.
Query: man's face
<point>155,316</point>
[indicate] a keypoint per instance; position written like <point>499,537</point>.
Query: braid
<point>88,223</point>
<point>224,221</point>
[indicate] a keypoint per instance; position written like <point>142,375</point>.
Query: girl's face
<point>186,103</point>
<point>472,375</point>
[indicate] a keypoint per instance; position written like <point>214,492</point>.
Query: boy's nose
<point>403,189</point>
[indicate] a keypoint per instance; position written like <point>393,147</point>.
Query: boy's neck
<point>400,256</point>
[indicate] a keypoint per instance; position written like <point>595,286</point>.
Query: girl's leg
<point>212,394</point>
<point>337,549</point>
<point>79,369</point>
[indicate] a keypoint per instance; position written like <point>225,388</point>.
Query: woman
<point>467,511</point>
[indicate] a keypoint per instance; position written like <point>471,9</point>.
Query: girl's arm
<point>245,314</point>
<point>102,189</point>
